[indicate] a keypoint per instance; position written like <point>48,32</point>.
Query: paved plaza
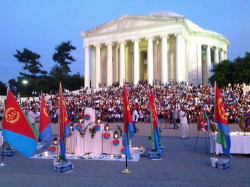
<point>179,166</point>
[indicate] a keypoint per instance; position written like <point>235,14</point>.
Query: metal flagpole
<point>126,170</point>
<point>2,164</point>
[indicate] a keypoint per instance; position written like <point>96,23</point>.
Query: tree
<point>3,88</point>
<point>241,72</point>
<point>62,55</point>
<point>13,84</point>
<point>31,63</point>
<point>237,71</point>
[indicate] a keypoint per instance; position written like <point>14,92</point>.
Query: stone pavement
<point>179,166</point>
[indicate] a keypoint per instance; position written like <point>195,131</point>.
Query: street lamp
<point>25,82</point>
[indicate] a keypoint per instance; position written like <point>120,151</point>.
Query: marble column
<point>86,68</point>
<point>208,63</point>
<point>221,55</point>
<point>98,61</point>
<point>150,61</point>
<point>180,54</point>
<point>216,55</point>
<point>136,62</point>
<point>93,80</point>
<point>225,55</point>
<point>199,64</point>
<point>122,63</point>
<point>109,65</point>
<point>164,59</point>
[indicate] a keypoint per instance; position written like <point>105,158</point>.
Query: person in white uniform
<point>32,115</point>
<point>183,122</point>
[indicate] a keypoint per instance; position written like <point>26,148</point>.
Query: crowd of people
<point>108,102</point>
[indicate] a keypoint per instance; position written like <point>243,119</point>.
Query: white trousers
<point>184,130</point>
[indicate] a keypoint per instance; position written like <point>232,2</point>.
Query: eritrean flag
<point>45,127</point>
<point>155,132</point>
<point>128,133</point>
<point>17,130</point>
<point>223,136</point>
<point>205,120</point>
<point>62,120</point>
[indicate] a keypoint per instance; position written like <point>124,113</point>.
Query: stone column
<point>136,62</point>
<point>221,55</point>
<point>164,59</point>
<point>180,54</point>
<point>225,55</point>
<point>109,65</point>
<point>98,61</point>
<point>93,80</point>
<point>150,61</point>
<point>216,55</point>
<point>199,64</point>
<point>86,68</point>
<point>122,63</point>
<point>208,63</point>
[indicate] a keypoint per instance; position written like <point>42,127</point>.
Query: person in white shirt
<point>183,122</point>
<point>135,117</point>
<point>32,115</point>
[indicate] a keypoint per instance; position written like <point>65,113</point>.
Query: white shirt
<point>32,116</point>
<point>183,119</point>
<point>135,115</point>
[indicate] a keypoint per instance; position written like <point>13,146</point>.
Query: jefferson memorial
<point>160,46</point>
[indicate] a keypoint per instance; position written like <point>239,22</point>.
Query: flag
<point>155,132</point>
<point>200,122</point>
<point>128,133</point>
<point>223,136</point>
<point>66,119</point>
<point>17,130</point>
<point>63,122</point>
<point>44,127</point>
<point>205,120</point>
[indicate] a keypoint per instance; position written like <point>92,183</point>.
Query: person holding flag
<point>44,127</point>
<point>17,130</point>
<point>223,136</point>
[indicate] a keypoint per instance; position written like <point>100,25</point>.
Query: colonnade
<point>115,62</point>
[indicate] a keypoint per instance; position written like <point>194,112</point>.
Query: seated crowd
<point>108,102</point>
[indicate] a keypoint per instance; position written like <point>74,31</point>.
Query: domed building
<point>159,46</point>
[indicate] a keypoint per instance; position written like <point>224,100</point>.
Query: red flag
<point>17,129</point>
<point>127,122</point>
<point>61,121</point>
<point>44,117</point>
<point>44,127</point>
<point>223,136</point>
<point>15,120</point>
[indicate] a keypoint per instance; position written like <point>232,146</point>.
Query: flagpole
<point>214,117</point>
<point>126,170</point>
<point>2,163</point>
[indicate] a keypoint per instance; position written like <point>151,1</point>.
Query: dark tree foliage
<point>74,82</point>
<point>62,55</point>
<point>31,63</point>
<point>237,71</point>
<point>13,85</point>
<point>3,88</point>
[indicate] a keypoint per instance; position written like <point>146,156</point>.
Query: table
<point>240,144</point>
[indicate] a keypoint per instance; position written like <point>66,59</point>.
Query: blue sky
<point>40,25</point>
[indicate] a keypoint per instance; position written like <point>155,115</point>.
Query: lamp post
<point>25,82</point>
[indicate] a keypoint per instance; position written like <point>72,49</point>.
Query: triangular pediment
<point>129,22</point>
